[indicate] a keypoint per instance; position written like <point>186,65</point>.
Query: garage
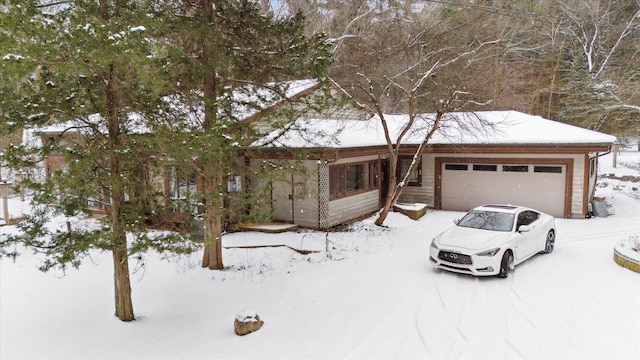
<point>541,186</point>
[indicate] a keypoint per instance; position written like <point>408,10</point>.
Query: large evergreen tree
<point>93,69</point>
<point>223,48</point>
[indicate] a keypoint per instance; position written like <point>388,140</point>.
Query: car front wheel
<point>550,242</point>
<point>506,264</point>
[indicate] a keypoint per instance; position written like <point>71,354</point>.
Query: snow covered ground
<point>375,297</point>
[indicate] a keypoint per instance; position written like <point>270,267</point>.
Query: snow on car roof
<point>499,207</point>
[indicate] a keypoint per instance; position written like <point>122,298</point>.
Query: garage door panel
<point>464,188</point>
<point>457,204</point>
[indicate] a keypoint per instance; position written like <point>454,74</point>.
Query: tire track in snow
<point>577,240</point>
<point>468,317</point>
<point>524,308</point>
<point>462,315</point>
<point>405,317</point>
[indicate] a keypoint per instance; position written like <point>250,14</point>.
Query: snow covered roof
<point>246,101</point>
<point>477,128</point>
<point>135,124</point>
<point>250,100</point>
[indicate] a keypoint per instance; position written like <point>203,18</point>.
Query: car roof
<point>507,208</point>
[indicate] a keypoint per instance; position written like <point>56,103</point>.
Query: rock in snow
<point>247,321</point>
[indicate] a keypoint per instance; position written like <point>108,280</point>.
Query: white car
<point>492,240</point>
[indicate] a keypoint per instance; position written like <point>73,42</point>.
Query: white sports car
<point>492,240</point>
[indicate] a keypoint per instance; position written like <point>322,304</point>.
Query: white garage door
<point>542,187</point>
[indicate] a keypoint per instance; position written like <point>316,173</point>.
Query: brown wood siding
<point>580,187</point>
<point>421,194</point>
<point>590,178</point>
<point>346,209</point>
<point>432,149</point>
<point>577,187</point>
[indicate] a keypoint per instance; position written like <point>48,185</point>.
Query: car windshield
<point>487,220</point>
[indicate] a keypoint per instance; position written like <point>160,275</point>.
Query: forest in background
<point>573,61</point>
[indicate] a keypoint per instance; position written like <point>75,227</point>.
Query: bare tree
<point>412,63</point>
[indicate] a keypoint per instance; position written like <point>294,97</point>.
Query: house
<point>174,185</point>
<point>473,159</point>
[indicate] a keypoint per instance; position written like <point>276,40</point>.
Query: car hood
<point>471,239</point>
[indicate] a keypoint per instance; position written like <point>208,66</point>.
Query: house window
<point>515,168</point>
<point>458,167</point>
<point>482,167</point>
<point>548,169</point>
<point>404,163</point>
<point>349,179</point>
<point>181,184</point>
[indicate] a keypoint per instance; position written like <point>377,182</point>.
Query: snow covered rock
<point>247,321</point>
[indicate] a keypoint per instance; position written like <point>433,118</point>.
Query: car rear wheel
<point>506,264</point>
<point>550,242</point>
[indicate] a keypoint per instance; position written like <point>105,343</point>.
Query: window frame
<point>515,168</point>
<point>456,167</point>
<point>418,171</point>
<point>485,167</point>
<point>339,179</point>
<point>174,176</point>
<point>548,169</point>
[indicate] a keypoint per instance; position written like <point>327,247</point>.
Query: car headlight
<point>433,244</point>
<point>491,252</point>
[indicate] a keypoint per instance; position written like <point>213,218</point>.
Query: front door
<point>282,201</point>
<point>384,181</point>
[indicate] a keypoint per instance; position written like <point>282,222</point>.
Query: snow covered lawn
<point>377,297</point>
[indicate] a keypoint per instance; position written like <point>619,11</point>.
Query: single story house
<point>473,159</point>
<point>176,184</point>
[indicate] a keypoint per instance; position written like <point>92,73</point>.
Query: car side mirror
<point>524,228</point>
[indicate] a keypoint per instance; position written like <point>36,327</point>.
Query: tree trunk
<point>388,204</point>
<point>394,190</point>
<point>122,282</point>
<point>212,256</point>
<point>391,191</point>
<point>392,197</point>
